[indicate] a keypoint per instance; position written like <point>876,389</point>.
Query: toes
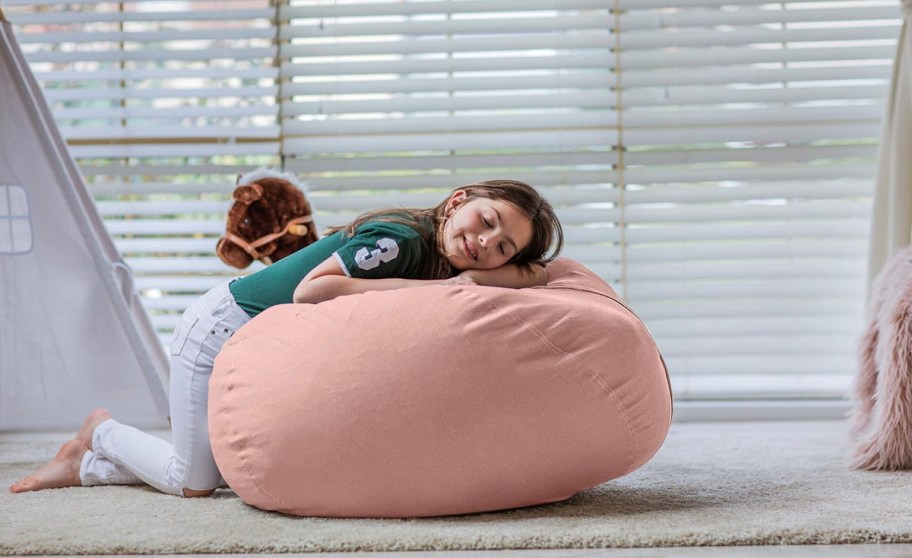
<point>61,471</point>
<point>189,493</point>
<point>23,485</point>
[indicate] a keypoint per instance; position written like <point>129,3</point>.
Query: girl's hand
<point>461,279</point>
<point>507,276</point>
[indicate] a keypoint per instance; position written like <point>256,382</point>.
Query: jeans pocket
<point>181,332</point>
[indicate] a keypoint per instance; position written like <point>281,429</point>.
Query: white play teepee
<point>73,334</point>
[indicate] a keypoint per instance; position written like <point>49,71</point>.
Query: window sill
<point>746,410</point>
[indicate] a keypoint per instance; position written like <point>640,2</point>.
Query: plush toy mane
<point>269,220</point>
<point>258,174</point>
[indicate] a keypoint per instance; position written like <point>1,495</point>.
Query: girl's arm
<point>508,275</point>
<point>327,281</point>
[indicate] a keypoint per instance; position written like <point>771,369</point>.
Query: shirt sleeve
<point>379,250</point>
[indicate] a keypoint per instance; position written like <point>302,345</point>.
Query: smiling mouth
<point>472,255</point>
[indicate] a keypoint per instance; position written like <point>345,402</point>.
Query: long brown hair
<point>547,233</point>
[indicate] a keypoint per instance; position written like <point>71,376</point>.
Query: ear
<point>457,198</point>
<point>248,193</point>
<point>232,254</point>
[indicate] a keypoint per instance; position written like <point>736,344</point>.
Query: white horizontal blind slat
<point>662,4</point>
<point>120,73</point>
<point>108,13</point>
<point>217,147</point>
<point>155,36</point>
<point>758,15</point>
<point>91,2</point>
<point>152,54</point>
<point>768,35</point>
<point>318,10</point>
<point>161,94</point>
<point>594,40</point>
<point>451,26</point>
<point>379,67</point>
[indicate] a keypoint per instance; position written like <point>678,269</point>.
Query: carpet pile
<point>750,483</point>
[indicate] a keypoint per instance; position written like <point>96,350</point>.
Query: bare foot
<point>61,471</point>
<point>189,493</point>
<point>95,418</point>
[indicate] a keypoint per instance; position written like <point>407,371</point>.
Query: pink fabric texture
<point>438,400</point>
<point>882,391</point>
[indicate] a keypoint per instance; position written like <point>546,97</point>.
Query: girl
<point>493,233</point>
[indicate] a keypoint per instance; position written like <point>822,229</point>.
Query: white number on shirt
<point>386,251</point>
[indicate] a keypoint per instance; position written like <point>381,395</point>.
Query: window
<point>162,104</point>
<point>711,159</point>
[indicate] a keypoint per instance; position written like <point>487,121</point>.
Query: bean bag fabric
<point>438,400</point>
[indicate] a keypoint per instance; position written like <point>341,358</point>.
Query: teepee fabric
<point>892,214</point>
<point>73,334</point>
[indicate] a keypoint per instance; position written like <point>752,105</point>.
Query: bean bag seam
<point>238,445</point>
<point>646,329</point>
<point>547,342</point>
<point>246,465</point>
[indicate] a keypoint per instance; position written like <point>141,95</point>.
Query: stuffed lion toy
<point>270,219</point>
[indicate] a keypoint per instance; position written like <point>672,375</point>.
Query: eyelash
<point>499,246</point>
<point>486,222</point>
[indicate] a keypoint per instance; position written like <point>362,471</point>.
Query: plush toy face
<point>262,208</point>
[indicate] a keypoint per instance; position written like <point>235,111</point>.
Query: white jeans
<point>124,455</point>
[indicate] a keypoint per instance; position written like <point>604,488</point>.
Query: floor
<point>824,551</point>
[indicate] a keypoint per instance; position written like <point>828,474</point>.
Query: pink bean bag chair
<point>438,400</point>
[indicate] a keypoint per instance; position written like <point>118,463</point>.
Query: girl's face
<point>482,233</point>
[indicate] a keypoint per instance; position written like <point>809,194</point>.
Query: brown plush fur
<point>882,417</point>
<point>262,207</point>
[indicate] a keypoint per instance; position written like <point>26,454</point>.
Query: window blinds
<point>713,160</point>
<point>750,133</point>
<point>162,104</point>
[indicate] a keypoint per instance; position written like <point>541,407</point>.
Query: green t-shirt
<point>377,250</point>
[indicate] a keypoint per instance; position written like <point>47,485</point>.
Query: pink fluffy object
<point>882,391</point>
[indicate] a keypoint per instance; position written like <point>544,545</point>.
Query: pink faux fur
<point>882,391</point>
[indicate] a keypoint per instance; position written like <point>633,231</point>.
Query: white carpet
<point>711,484</point>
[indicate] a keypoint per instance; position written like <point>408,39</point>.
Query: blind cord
<point>622,187</point>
